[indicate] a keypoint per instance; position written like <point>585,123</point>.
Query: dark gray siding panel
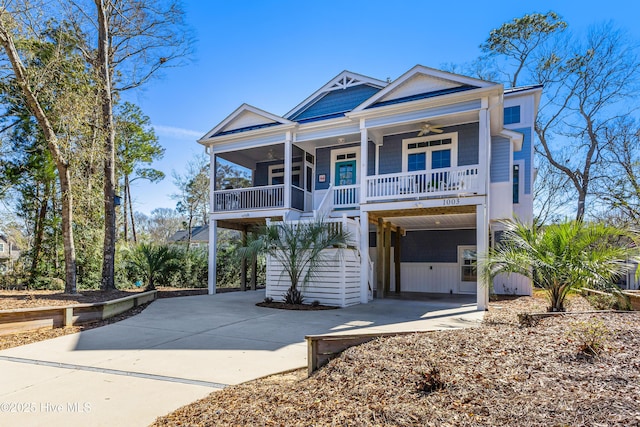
<point>500,159</point>
<point>337,101</point>
<point>435,245</point>
<point>391,150</point>
<point>468,143</point>
<point>371,158</point>
<point>391,153</point>
<point>261,176</point>
<point>525,154</point>
<point>323,164</point>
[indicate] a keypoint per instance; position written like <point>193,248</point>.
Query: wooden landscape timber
<point>26,319</point>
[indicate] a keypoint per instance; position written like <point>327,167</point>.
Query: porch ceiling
<point>428,219</point>
<point>248,158</point>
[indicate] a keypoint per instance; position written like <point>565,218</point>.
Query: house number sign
<point>451,202</point>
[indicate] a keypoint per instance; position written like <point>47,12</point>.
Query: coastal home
<point>9,253</point>
<point>419,170</point>
<point>199,236</point>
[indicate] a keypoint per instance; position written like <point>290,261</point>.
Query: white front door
<point>467,257</point>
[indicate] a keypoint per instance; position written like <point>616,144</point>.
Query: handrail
<point>325,205</point>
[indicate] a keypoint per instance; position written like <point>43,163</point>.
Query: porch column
<point>484,146</point>
<point>364,161</point>
<point>396,260</point>
<point>243,262</point>
<point>254,274</point>
<point>387,258</point>
<point>482,246</point>
<point>380,259</point>
<point>213,247</point>
<point>364,257</point>
<point>287,171</point>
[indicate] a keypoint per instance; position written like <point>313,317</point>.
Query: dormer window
<point>512,115</point>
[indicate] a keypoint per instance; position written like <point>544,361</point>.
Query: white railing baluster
<point>446,181</point>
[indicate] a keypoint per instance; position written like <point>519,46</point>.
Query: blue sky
<point>273,54</point>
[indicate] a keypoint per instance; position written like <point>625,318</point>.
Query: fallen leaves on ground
<point>497,374</point>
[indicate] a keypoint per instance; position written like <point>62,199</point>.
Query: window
<point>430,152</point>
<point>276,175</point>
<point>516,183</point>
<point>1,247</point>
<point>468,271</point>
<point>441,159</point>
<point>512,115</point>
<point>417,162</point>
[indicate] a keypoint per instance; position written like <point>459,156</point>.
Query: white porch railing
<point>269,196</point>
<point>439,182</point>
<point>346,196</point>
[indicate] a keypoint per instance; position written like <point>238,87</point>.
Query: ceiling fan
<point>427,128</point>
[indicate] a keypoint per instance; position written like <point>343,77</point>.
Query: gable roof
<point>341,94</point>
<point>243,119</point>
<point>421,82</point>
<point>199,233</point>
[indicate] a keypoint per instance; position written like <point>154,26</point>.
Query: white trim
<point>406,151</point>
<point>516,138</point>
<point>421,69</point>
<point>237,112</point>
<point>334,159</point>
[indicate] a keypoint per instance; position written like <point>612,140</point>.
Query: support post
<point>380,259</point>
<point>287,171</point>
<point>213,247</point>
<point>364,257</point>
<point>482,246</point>
<point>364,161</point>
<point>396,260</point>
<point>254,274</point>
<point>387,258</point>
<point>243,262</point>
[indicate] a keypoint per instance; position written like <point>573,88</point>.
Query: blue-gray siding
<point>337,101</point>
<point>525,154</point>
<point>431,245</point>
<point>261,175</point>
<point>323,164</point>
<point>500,159</point>
<point>391,150</point>
<point>468,143</point>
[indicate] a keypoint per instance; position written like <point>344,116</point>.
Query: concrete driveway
<point>181,349</point>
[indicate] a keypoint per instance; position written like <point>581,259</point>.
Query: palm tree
<point>153,262</point>
<point>561,257</point>
<point>298,247</point>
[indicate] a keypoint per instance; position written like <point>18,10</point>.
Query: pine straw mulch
<point>499,374</point>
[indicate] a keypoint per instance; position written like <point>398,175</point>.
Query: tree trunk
<point>133,221</point>
<point>124,206</point>
<point>109,250</point>
<point>39,232</point>
<point>52,143</point>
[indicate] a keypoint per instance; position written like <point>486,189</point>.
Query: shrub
<point>591,336</point>
<point>430,380</point>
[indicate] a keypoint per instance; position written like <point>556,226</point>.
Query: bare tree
<point>133,40</point>
<point>30,84</point>
<point>587,85</point>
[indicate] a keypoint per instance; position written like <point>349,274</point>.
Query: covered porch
<point>427,248</point>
